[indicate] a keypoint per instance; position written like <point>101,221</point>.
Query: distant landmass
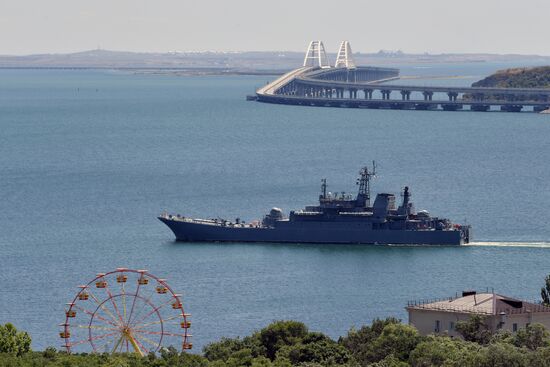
<point>269,62</point>
<point>536,77</point>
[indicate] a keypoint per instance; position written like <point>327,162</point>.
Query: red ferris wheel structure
<point>125,311</point>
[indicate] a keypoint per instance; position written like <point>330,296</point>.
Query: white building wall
<point>426,321</point>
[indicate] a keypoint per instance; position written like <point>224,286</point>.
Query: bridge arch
<point>316,56</point>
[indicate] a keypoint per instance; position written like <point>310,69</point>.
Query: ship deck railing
<point>212,222</point>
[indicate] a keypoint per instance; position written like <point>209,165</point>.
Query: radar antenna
<point>363,196</point>
<point>323,188</point>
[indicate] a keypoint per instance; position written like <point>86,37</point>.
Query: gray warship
<point>337,219</point>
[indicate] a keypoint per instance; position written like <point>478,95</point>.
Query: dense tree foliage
<point>545,291</point>
<point>12,341</point>
<point>383,338</point>
<point>474,330</point>
<point>385,343</point>
<point>537,77</point>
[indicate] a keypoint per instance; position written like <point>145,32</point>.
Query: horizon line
<point>381,51</point>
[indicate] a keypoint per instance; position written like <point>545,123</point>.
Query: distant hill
<point>240,62</point>
<point>537,77</point>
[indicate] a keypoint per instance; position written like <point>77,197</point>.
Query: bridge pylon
<point>345,56</point>
<point>316,56</point>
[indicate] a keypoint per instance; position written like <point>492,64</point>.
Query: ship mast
<point>323,188</point>
<point>363,196</point>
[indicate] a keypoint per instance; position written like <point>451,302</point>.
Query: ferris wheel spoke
<point>140,345</point>
<point>114,303</point>
<point>156,309</point>
<point>134,303</point>
<point>141,326</point>
<point>124,302</point>
<point>97,327</point>
<point>122,345</point>
<point>158,333</point>
<point>146,301</point>
<point>102,306</point>
<point>96,316</point>
<point>118,343</point>
<point>99,337</point>
<point>149,341</point>
<point>104,347</point>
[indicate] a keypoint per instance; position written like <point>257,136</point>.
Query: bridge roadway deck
<point>416,88</point>
<point>392,103</point>
<point>313,86</point>
<point>272,87</point>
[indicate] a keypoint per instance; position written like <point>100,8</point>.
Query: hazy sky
<point>435,26</point>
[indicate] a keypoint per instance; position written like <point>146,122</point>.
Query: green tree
<point>539,357</point>
<point>545,291</point>
<point>445,351</point>
<point>223,349</point>
<point>13,341</point>
<point>279,334</point>
<point>315,348</point>
<point>117,361</point>
<point>261,362</point>
<point>532,337</point>
<point>389,361</point>
<point>475,330</point>
<point>358,342</point>
<point>240,358</point>
<point>504,355</point>
<point>396,339</point>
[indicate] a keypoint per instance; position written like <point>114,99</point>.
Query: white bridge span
<point>317,83</point>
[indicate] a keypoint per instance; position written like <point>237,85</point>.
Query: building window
<point>514,327</point>
<point>451,325</point>
<point>437,326</point>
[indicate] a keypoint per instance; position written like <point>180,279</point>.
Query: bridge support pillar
<point>385,93</point>
<point>368,93</point>
<point>478,97</point>
<point>406,95</point>
<point>428,95</point>
<point>452,96</point>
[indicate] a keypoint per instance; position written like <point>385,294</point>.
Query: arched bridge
<point>317,83</point>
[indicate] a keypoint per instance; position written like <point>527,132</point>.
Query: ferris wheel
<point>125,311</point>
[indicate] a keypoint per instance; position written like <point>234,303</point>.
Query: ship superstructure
<point>339,218</point>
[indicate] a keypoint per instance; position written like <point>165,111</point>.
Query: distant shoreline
<point>157,70</point>
<point>239,63</point>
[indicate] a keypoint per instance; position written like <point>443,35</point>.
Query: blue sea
<point>88,159</point>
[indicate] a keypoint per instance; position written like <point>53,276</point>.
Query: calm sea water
<point>89,158</point>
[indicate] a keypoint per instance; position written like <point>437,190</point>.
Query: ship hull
<point>315,232</point>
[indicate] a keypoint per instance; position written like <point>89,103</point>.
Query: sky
<point>433,26</point>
